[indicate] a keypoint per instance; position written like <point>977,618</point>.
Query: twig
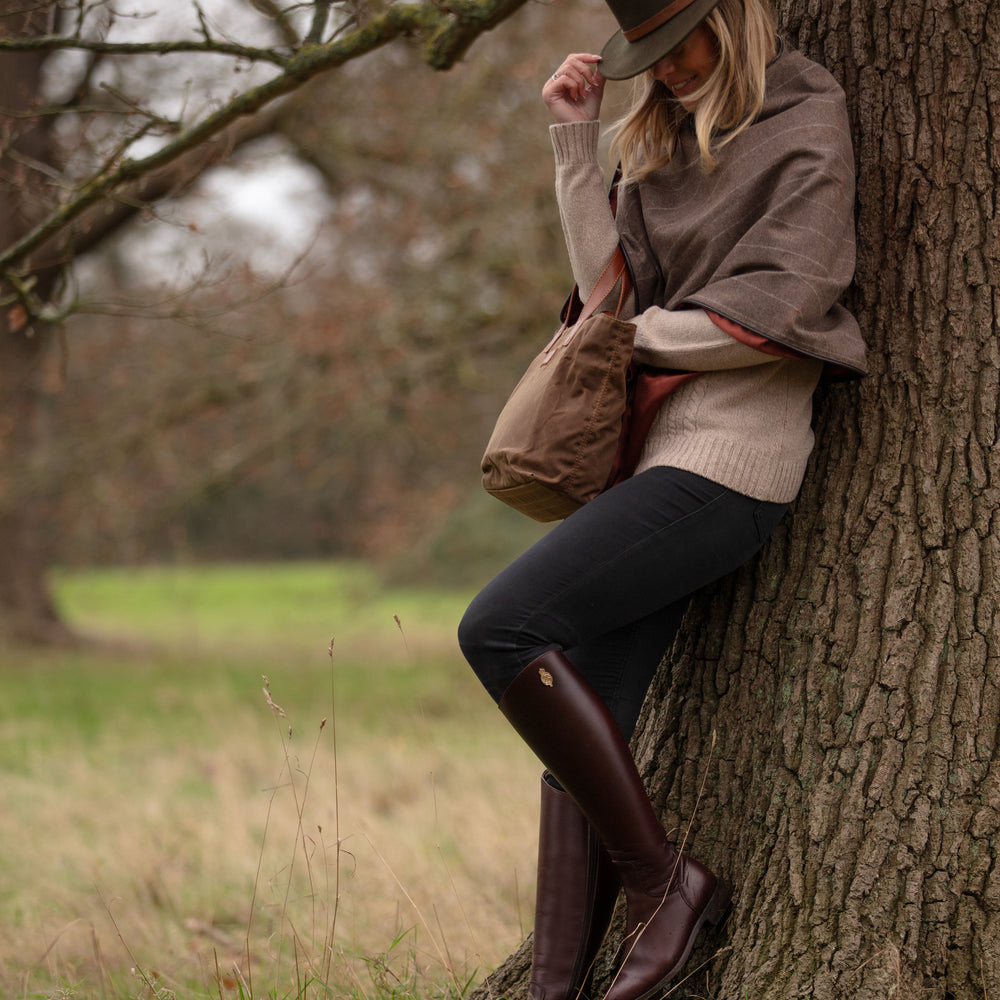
<point>203,24</point>
<point>169,125</point>
<point>279,16</point>
<point>331,930</point>
<point>139,971</point>
<point>53,43</point>
<point>321,14</point>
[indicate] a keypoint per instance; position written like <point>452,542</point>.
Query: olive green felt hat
<point>649,30</point>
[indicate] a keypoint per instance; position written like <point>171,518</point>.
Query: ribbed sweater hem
<point>730,463</point>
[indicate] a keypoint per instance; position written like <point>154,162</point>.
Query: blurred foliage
<point>345,412</point>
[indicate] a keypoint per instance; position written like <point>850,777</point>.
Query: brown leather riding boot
<point>669,895</point>
<point>574,901</point>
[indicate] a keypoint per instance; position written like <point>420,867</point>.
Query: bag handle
<point>616,270</point>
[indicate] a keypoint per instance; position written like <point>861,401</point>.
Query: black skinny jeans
<point>608,586</point>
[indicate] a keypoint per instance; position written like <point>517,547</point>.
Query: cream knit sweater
<point>745,422</point>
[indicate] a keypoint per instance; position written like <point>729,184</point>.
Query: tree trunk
<point>824,730</point>
<point>26,610</point>
<point>27,162</point>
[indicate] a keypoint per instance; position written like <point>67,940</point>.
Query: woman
<point>735,213</point>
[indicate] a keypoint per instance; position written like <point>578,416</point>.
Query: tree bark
<point>26,609</point>
<point>824,730</point>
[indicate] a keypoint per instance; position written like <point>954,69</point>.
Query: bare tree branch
<point>102,220</point>
<point>53,43</point>
<point>452,35</point>
<point>449,30</point>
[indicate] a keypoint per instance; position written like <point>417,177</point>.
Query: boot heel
<point>718,905</point>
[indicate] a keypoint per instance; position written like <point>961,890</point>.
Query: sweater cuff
<point>575,142</point>
<point>688,340</point>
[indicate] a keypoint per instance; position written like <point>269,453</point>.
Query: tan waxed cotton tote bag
<point>555,443</point>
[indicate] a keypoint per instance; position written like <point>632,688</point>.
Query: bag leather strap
<point>616,269</point>
<point>614,272</point>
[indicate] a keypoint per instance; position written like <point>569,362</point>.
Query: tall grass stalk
<point>335,896</point>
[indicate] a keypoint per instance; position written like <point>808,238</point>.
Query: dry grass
<point>159,815</point>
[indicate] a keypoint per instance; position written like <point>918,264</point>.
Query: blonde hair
<point>645,139</point>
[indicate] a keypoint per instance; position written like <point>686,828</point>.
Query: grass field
<point>170,829</point>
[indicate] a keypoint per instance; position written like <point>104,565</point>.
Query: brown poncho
<point>767,239</point>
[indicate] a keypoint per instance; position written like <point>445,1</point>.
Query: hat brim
<point>622,59</point>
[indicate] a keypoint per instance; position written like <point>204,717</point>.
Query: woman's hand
<point>574,92</point>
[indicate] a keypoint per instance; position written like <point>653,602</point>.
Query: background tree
<point>25,142</point>
<point>827,722</point>
<point>81,165</point>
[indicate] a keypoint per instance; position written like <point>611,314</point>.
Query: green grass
<point>155,807</point>
<point>390,646</point>
<point>288,605</point>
